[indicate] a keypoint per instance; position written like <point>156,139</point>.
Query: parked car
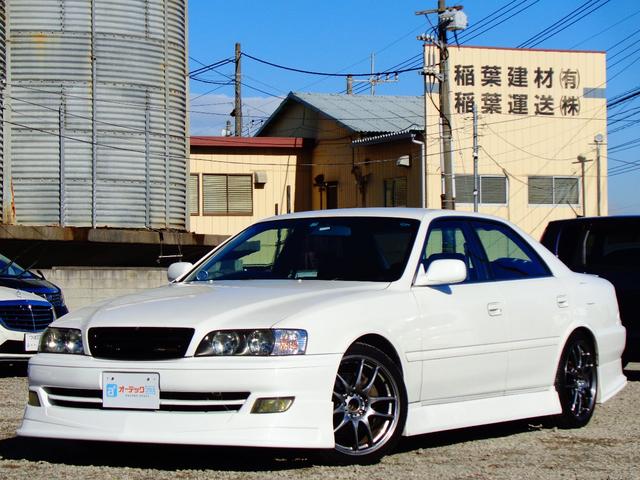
<point>14,276</point>
<point>338,330</point>
<point>610,248</point>
<point>23,318</point>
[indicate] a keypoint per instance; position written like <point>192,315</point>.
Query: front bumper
<point>307,423</point>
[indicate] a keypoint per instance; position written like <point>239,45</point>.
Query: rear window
<point>615,246</point>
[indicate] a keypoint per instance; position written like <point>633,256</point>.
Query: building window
<point>553,190</point>
<point>332,195</point>
<point>227,194</point>
<point>493,189</point>
<point>395,192</point>
<point>194,194</point>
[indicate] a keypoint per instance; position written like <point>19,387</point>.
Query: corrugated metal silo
<point>97,96</point>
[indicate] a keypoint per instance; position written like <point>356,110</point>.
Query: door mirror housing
<point>445,271</point>
<point>178,269</point>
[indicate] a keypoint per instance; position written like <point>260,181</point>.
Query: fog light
<point>272,405</point>
<point>34,400</point>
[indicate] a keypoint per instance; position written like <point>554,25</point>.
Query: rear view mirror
<point>445,271</point>
<point>178,269</point>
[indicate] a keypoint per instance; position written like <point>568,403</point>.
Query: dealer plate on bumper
<point>131,390</point>
<point>31,341</point>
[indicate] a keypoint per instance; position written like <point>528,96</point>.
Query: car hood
<point>12,294</point>
<point>223,305</point>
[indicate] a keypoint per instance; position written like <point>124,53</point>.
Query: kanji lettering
<point>544,105</point>
<point>491,103</point>
<point>570,106</point>
<point>491,75</point>
<point>517,77</point>
<point>464,102</point>
<point>569,78</point>
<point>519,104</point>
<point>464,75</point>
<point>543,77</point>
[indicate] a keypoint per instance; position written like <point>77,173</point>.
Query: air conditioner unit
<point>404,161</point>
<point>260,177</point>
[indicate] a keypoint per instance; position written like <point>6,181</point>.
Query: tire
<point>577,381</point>
<point>370,406</point>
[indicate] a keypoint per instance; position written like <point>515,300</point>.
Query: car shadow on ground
<point>18,369</point>
<point>148,456</point>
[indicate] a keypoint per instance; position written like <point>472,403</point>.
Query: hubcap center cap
<point>355,404</point>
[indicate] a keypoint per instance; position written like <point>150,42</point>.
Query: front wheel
<point>370,405</point>
<point>577,381</point>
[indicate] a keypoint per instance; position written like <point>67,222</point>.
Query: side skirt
<point>448,416</point>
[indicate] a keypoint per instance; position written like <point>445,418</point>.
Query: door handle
<point>562,301</point>
<point>494,309</point>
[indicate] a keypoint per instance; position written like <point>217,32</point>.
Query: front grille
<point>169,401</point>
<point>139,343</point>
<point>25,317</point>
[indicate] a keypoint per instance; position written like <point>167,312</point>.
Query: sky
<point>340,36</point>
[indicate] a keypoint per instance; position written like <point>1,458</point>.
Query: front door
<point>464,335</point>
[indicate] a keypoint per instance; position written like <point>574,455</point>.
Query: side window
<point>614,247</point>
<point>509,256</point>
<point>449,239</point>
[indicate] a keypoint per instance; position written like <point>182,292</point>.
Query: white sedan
<point>338,330</point>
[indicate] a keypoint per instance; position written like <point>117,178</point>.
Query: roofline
<point>602,52</point>
<point>247,142</point>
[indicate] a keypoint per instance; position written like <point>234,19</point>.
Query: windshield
<point>341,248</point>
<point>11,269</point>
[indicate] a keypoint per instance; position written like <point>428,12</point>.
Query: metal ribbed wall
<point>3,75</point>
<point>98,109</point>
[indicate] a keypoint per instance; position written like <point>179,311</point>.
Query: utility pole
<point>373,80</point>
<point>598,141</point>
<point>582,160</point>
<point>349,84</point>
<point>453,20</point>
<point>237,111</point>
<point>476,177</point>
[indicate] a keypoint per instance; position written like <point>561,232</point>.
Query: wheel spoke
<point>344,421</point>
<point>344,382</point>
<point>373,400</point>
<point>367,388</point>
<point>356,445</point>
<point>359,376</point>
<point>375,413</point>
<point>367,427</point>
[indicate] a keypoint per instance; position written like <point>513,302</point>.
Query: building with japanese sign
<point>538,111</point>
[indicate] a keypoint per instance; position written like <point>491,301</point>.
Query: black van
<point>610,248</point>
<point>14,276</point>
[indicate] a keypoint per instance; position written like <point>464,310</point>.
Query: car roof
<point>385,212</point>
<point>608,219</point>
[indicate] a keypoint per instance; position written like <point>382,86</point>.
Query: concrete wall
<point>83,286</point>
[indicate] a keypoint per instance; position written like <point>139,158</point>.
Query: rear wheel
<point>370,405</point>
<point>577,381</point>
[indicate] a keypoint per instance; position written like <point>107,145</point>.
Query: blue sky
<point>339,36</point>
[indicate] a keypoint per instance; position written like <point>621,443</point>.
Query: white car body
<point>470,354</point>
<point>12,337</point>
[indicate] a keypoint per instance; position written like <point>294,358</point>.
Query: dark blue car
<point>14,276</point>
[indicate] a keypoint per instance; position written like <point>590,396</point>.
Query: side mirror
<point>445,271</point>
<point>178,269</point>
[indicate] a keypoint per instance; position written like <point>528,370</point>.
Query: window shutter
<point>400,199</point>
<point>464,188</point>
<point>193,195</point>
<point>566,190</point>
<point>540,190</point>
<point>214,194</point>
<point>240,189</point>
<point>493,190</point>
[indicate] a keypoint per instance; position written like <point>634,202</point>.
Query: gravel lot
<point>608,448</point>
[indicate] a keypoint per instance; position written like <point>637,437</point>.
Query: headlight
<point>253,342</point>
<point>61,340</point>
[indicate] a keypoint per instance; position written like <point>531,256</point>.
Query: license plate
<point>131,390</point>
<point>31,341</point>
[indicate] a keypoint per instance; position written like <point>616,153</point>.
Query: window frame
<point>480,202</point>
<point>227,213</point>
<point>198,211</point>
<point>392,181</point>
<point>553,191</point>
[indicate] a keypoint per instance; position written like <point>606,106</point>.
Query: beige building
<point>538,111</point>
<point>235,181</point>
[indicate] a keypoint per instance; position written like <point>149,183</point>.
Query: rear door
<point>536,306</point>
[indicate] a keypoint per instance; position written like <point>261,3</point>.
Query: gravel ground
<point>608,448</point>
